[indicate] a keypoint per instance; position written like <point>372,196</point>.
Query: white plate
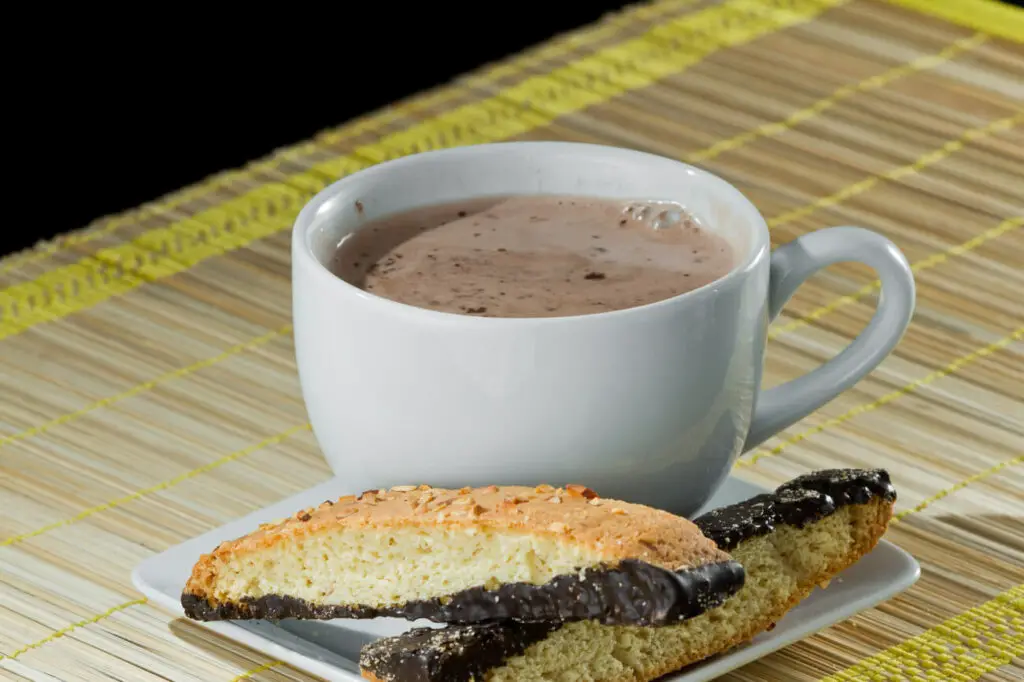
<point>331,649</point>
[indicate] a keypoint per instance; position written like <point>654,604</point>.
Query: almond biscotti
<point>465,556</point>
<point>790,541</point>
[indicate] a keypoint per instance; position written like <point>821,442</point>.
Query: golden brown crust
<point>574,514</point>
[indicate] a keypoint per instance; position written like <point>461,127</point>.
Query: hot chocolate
<point>533,256</point>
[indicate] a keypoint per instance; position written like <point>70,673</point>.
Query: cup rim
<point>303,256</point>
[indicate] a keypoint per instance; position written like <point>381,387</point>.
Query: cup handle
<point>791,265</point>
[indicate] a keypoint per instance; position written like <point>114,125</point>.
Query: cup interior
<point>528,168</point>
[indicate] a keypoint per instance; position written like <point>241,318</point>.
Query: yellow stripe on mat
<point>954,366</point>
<point>147,385</point>
<point>74,626</point>
<point>530,104</point>
<point>256,671</point>
<point>210,466</point>
<point>822,105</point>
<point>568,46</point>
<point>964,647</point>
<point>946,492</point>
<point>931,261</point>
<point>990,16</point>
<point>221,182</point>
<point>922,162</point>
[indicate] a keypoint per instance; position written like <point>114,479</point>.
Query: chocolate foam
<point>630,593</point>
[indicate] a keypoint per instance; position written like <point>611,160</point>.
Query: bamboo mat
<point>150,392</point>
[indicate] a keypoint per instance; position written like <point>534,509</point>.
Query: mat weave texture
<point>147,368</point>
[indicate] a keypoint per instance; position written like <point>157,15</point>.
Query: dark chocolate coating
<point>630,593</point>
<point>845,486</point>
<point>457,653</point>
<point>760,515</point>
<point>467,652</point>
<point>806,499</point>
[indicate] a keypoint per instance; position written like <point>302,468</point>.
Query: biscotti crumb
<point>577,490</point>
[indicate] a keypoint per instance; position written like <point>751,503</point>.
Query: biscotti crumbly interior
<point>412,544</point>
<point>436,561</point>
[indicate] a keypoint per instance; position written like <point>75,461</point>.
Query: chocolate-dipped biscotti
<point>467,556</point>
<point>790,541</point>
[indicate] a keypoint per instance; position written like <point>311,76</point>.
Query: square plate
<point>330,649</point>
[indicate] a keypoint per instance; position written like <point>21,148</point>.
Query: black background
<point>121,113</point>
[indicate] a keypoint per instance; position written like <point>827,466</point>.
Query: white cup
<point>652,404</point>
